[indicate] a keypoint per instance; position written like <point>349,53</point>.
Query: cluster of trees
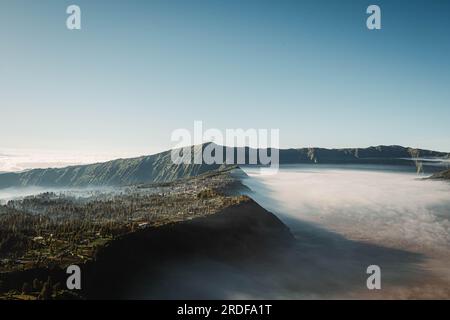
<point>207,193</point>
<point>16,230</point>
<point>44,290</point>
<point>54,225</point>
<point>42,221</point>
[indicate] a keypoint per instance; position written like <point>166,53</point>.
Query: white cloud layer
<point>389,208</point>
<point>18,160</point>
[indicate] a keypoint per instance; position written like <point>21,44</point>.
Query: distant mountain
<point>154,168</point>
<point>160,168</point>
<point>394,155</point>
<point>372,155</point>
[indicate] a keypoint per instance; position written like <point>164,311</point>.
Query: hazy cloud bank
<point>394,209</point>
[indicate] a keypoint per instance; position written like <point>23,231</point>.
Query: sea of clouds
<point>396,209</point>
<point>14,160</point>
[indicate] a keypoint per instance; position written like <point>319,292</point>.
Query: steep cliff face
<point>371,155</point>
<point>147,169</point>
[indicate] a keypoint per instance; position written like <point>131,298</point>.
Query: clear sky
<point>140,69</point>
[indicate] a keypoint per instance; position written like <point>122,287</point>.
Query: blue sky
<point>140,69</point>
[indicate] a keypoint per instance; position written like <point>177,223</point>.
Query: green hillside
<point>146,169</point>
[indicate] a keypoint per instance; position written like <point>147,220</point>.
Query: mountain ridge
<point>160,168</point>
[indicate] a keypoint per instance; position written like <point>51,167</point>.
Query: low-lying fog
<point>382,206</point>
<point>397,209</point>
<point>17,193</point>
<point>344,219</point>
<point>20,193</point>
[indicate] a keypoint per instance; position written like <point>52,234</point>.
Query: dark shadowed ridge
<point>160,168</point>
